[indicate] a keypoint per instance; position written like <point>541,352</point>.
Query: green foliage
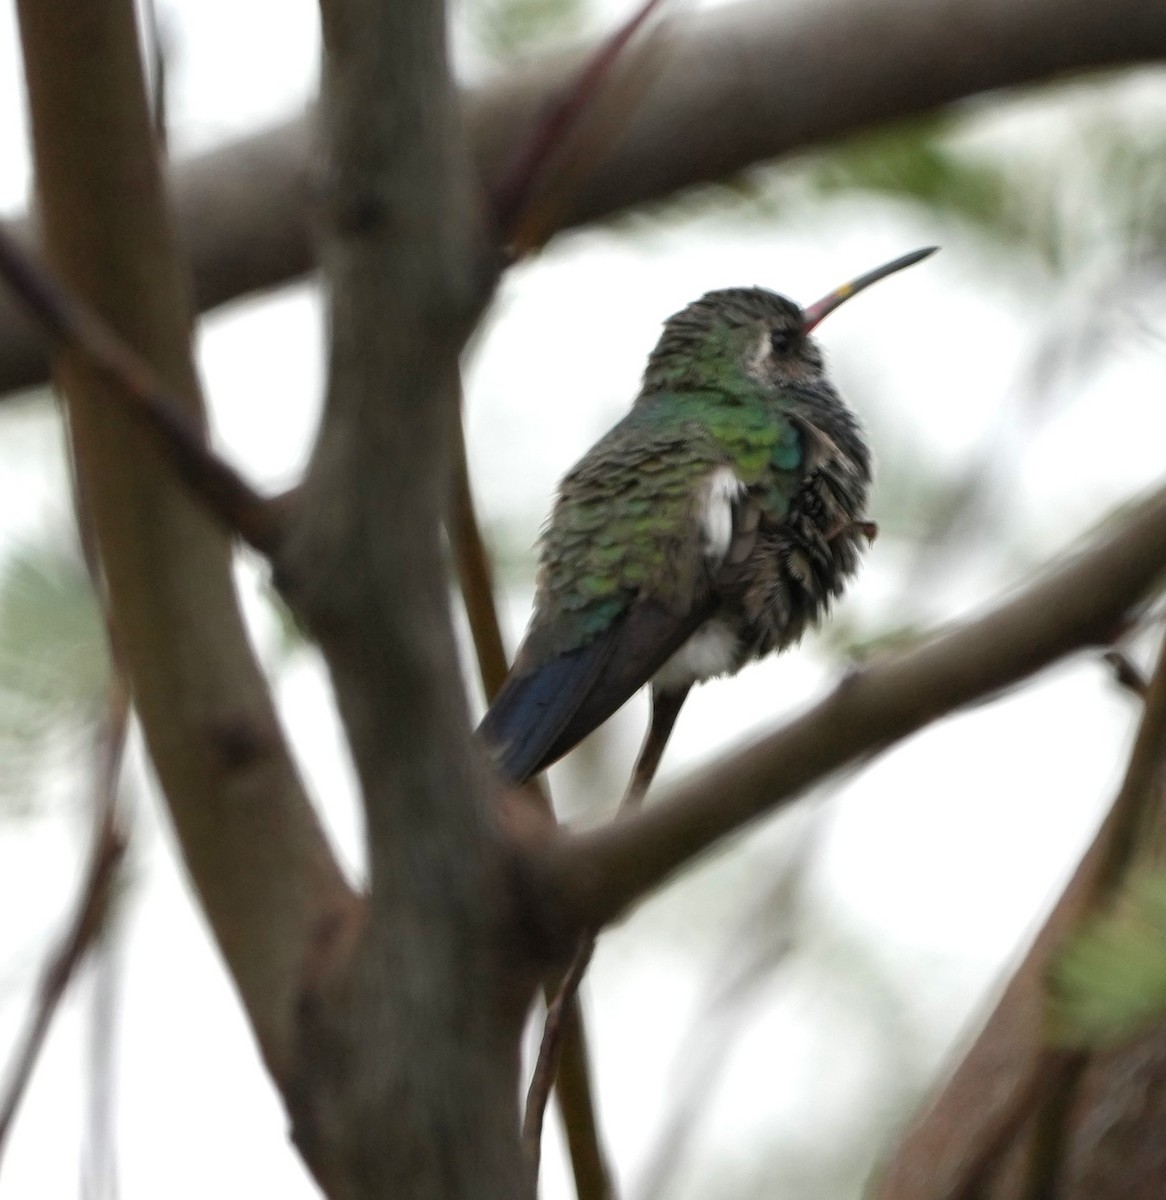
<point>1082,197</point>
<point>1109,983</point>
<point>1078,194</point>
<point>54,663</point>
<point>925,163</point>
<point>921,162</point>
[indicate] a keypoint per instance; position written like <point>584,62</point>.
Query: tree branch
<point>270,887</point>
<point>551,1045</point>
<point>226,494</point>
<point>105,857</point>
<point>740,84</point>
<point>415,1054</point>
<point>1012,1092</point>
<point>363,562</point>
<point>1079,602</point>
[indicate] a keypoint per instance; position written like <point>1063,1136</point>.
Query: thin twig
<point>577,1109</point>
<point>99,1163</point>
<point>475,577</point>
<point>213,481</point>
<point>106,854</point>
<point>572,1080</point>
<point>546,1065</point>
<point>99,1146</point>
<point>513,195</point>
<point>551,1045</point>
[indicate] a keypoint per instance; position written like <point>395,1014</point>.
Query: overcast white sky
<point>924,872</point>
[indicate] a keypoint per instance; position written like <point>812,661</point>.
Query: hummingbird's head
<point>732,336</point>
<point>752,335</point>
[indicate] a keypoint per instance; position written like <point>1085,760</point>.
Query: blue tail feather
<point>531,710</point>
<point>540,713</point>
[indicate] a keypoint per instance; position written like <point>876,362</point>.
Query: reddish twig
<point>214,482</point>
<point>473,571</point>
<point>108,850</point>
<point>572,1078</point>
<point>513,195</point>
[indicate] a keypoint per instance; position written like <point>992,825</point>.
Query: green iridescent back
<point>627,521</point>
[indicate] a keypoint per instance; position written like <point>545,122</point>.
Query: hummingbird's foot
<point>665,709</point>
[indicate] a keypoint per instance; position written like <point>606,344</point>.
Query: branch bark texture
<point>251,843</point>
<point>736,85</point>
<point>411,1084</point>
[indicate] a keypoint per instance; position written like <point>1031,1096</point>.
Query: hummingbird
<point>712,525</point>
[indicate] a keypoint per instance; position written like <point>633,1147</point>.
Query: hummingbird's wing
<point>624,580</point>
<point>541,713</point>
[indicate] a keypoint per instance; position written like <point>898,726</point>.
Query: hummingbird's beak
<point>813,315</point>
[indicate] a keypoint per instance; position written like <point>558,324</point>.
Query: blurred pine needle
<point>54,665</point>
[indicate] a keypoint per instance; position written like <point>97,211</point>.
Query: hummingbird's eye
<point>781,340</point>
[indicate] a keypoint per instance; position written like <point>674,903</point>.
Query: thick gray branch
<point>734,86</point>
<point>1078,603</point>
<point>412,1082</point>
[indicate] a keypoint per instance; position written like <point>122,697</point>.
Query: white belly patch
<point>710,651</point>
